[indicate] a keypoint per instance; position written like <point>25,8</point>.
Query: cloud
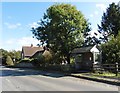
<point>101,6</point>
<point>26,41</point>
<point>97,12</point>
<point>16,44</point>
<point>11,41</point>
<point>91,15</point>
<point>34,25</point>
<point>12,26</point>
<point>94,14</point>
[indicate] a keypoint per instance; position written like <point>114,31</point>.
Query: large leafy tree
<point>110,24</point>
<point>61,29</point>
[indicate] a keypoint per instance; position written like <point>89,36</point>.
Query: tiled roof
<point>30,50</point>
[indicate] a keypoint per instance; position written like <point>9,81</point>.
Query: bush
<point>42,59</point>
<point>47,56</point>
<point>38,61</point>
<point>9,61</point>
<point>25,60</point>
<point>66,68</point>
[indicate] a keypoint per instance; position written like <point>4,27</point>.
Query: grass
<point>106,74</point>
<point>100,75</point>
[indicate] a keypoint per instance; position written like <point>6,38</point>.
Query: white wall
<point>94,49</point>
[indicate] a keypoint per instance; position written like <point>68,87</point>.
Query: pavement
<point>15,79</point>
<point>112,81</point>
<point>89,76</point>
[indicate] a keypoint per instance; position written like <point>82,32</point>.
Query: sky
<point>19,17</point>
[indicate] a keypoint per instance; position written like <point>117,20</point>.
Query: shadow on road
<point>25,72</point>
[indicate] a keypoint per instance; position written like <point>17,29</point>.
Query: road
<point>14,79</point>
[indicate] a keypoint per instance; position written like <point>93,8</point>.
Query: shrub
<point>66,68</point>
<point>38,60</point>
<point>47,56</point>
<point>9,61</point>
<point>42,59</point>
<point>25,60</point>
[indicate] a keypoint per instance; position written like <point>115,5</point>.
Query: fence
<point>114,68</point>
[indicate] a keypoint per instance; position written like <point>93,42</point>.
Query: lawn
<point>106,74</point>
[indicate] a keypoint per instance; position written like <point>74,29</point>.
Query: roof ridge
<point>84,46</point>
<point>30,51</point>
<point>36,52</point>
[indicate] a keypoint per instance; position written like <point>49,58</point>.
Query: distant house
<point>31,51</point>
<point>86,57</point>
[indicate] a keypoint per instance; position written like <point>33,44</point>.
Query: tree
<point>4,52</point>
<point>91,39</point>
<point>15,54</point>
<point>4,56</point>
<point>9,61</point>
<point>110,24</point>
<point>111,50</point>
<point>61,29</point>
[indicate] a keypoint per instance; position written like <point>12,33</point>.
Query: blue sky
<point>19,17</point>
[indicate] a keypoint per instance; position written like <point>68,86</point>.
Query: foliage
<point>89,39</point>
<point>61,29</point>
<point>66,68</point>
<point>4,52</point>
<point>25,60</point>
<point>4,56</point>
<point>9,61</point>
<point>110,24</point>
<point>39,60</point>
<point>13,54</point>
<point>47,55</point>
<point>111,50</point>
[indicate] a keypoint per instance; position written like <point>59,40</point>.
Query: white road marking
<point>8,81</point>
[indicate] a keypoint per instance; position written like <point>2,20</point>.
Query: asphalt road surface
<point>14,79</point>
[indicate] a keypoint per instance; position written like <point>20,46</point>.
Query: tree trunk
<point>68,59</point>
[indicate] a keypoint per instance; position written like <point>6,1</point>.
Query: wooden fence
<point>114,68</point>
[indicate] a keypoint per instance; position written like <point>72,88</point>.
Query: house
<point>86,57</point>
<point>31,51</point>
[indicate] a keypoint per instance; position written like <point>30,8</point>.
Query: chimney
<point>31,45</point>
